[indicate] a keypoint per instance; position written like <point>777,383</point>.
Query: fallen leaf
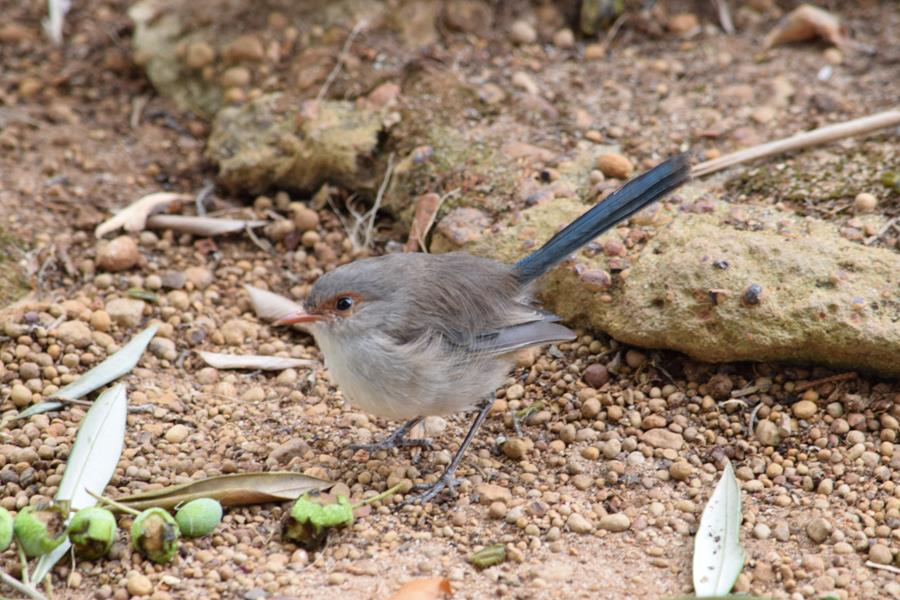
<point>488,557</point>
<point>237,489</point>
<point>433,588</point>
<point>202,226</point>
<point>92,461</point>
<point>807,22</point>
<point>270,306</point>
<point>37,409</point>
<point>134,216</point>
<point>253,361</point>
<point>427,206</point>
<point>718,555</point>
<point>110,369</point>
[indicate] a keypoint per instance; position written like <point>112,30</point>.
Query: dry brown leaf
<point>237,489</point>
<point>432,588</point>
<point>807,22</point>
<point>427,206</point>
<point>270,306</point>
<point>252,361</point>
<point>134,216</point>
<point>203,226</point>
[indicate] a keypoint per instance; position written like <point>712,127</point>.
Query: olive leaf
<point>92,461</point>
<point>235,489</point>
<point>718,555</point>
<point>253,361</point>
<point>110,369</point>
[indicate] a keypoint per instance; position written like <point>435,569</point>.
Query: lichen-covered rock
<point>274,141</point>
<point>733,284</point>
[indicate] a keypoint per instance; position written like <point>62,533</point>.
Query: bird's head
<point>350,300</point>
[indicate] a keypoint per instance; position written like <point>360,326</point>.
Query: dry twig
<point>340,59</point>
<point>830,379</point>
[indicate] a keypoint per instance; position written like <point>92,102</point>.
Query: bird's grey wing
<point>521,336</point>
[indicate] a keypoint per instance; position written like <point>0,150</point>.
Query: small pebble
<point>881,554</point>
<point>818,530</point>
<point>865,202</point>
<point>578,524</point>
<point>118,255</point>
<point>615,522</point>
<point>804,409</point>
<point>615,165</point>
<point>522,32</point>
<point>177,433</point>
<point>139,585</point>
<point>596,375</point>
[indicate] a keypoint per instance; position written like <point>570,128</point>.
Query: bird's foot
<point>392,442</point>
<point>446,481</point>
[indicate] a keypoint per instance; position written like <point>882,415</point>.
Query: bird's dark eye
<point>344,303</point>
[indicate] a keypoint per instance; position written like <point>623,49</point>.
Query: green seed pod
<point>40,529</point>
<point>92,532</point>
<point>311,520</point>
<point>154,534</point>
<point>6,529</point>
<point>199,517</point>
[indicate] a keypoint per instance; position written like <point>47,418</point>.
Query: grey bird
<point>405,336</point>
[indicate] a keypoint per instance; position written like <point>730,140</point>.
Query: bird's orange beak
<point>301,316</point>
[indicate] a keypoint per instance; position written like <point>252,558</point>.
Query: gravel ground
<point>602,492</point>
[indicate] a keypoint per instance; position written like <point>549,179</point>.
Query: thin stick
<point>724,16</point>
<point>830,379</point>
<point>202,196</point>
<point>340,59</point>
<point>370,216</point>
<point>613,30</point>
<point>822,135</point>
<point>882,231</point>
<point>21,587</point>
<point>26,577</point>
<point>888,568</point>
<point>381,496</point>
<point>113,503</point>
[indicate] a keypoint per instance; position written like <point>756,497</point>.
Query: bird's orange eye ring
<point>343,303</point>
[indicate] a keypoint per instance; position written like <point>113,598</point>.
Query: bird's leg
<point>395,439</point>
<point>446,479</point>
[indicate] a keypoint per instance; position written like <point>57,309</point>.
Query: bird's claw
<point>446,481</point>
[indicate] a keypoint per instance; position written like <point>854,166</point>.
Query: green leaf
<point>110,369</point>
<point>37,409</point>
<point>718,555</point>
<point>236,489</point>
<point>488,557</point>
<point>92,461</point>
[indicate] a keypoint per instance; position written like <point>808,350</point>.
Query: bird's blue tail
<point>618,206</point>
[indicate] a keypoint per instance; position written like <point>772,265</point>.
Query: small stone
<point>516,448</point>
<point>818,530</point>
<point>635,359</point>
<point>595,280</point>
<point>761,531</point>
<point>163,348</point>
<point>767,433</point>
<point>20,396</point>
<point>201,277</point>
<point>596,375</point>
<point>681,470</point>
<point>577,523</point>
<point>127,312</point>
<point>564,38</point>
<point>522,32</point>
<point>833,56</point>
<point>515,391</point>
<point>763,114</point>
<point>245,48</point>
<point>139,585</point>
<point>198,55</point>
<point>615,522</point>
<point>236,77</point>
<point>489,493</point>
<point>497,510</point>
<point>719,386</point>
<point>304,218</point>
<point>76,333</point>
<point>177,433</point>
<point>118,255</point>
<point>590,408</point>
<point>881,554</point>
<point>491,93</point>
<point>289,450</point>
<point>804,409</point>
<point>683,23</point>
<point>865,202</point>
<point>615,165</point>
<point>663,438</point>
<point>100,320</point>
<point>524,81</point>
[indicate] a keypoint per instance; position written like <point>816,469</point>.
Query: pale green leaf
<point>92,461</point>
<point>718,555</point>
<point>110,369</point>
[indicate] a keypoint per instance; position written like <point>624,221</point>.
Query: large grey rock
<point>738,283</point>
